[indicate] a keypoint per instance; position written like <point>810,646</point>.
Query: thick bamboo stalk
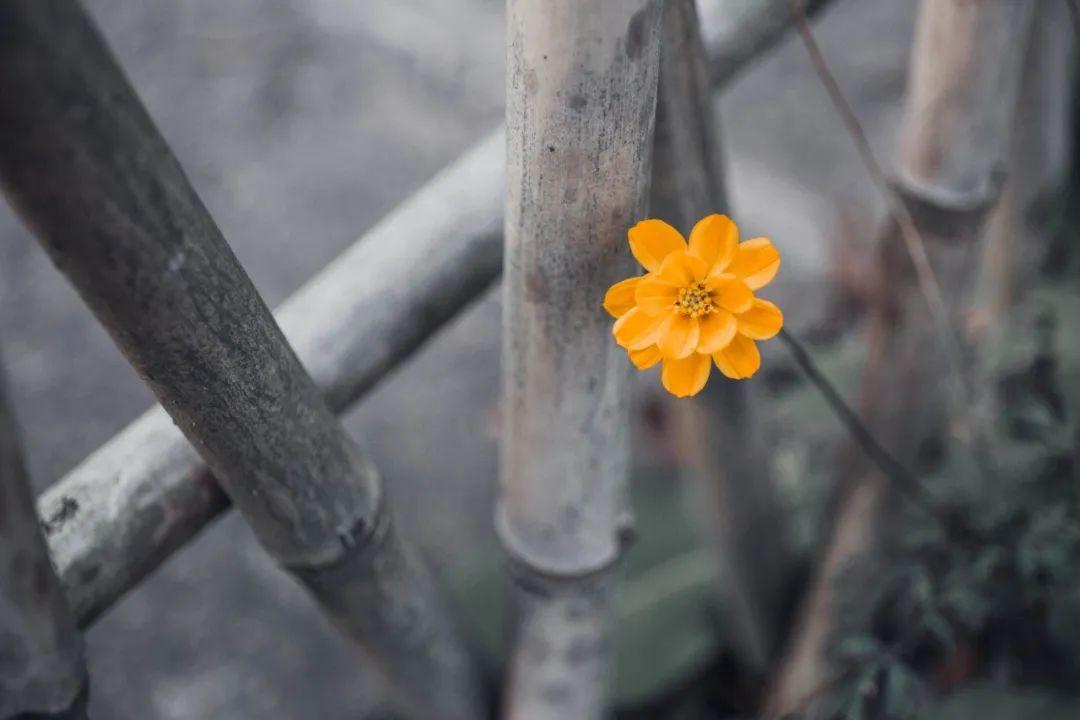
<point>84,165</point>
<point>145,493</point>
<point>963,92</point>
<point>723,443</point>
<point>581,92</point>
<point>42,672</point>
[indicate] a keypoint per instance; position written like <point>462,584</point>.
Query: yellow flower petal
<point>717,330</point>
<point>645,359</point>
<point>635,330</point>
<point>679,336</point>
<point>681,269</point>
<point>715,239</point>
<point>620,297</point>
<point>686,377</point>
<point>735,297</point>
<point>762,321</point>
<point>756,262</point>
<point>655,296</point>
<point>740,359</point>
<point>653,240</point>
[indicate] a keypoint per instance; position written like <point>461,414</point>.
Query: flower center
<point>695,301</point>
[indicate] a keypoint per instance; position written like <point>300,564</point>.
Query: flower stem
<point>894,471</point>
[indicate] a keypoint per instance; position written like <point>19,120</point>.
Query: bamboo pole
<point>84,165</point>
<point>721,435</point>
<point>581,92</point>
<point>42,672</point>
<point>744,29</point>
<point>144,494</point>
<point>963,90</point>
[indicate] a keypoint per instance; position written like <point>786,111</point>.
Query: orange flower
<point>695,305</point>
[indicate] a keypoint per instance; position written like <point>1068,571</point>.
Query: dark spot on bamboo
<point>536,286</point>
<point>635,35</point>
<point>69,506</point>
<point>551,148</point>
<point>577,102</point>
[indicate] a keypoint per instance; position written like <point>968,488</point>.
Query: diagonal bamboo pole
<point>42,672</point>
<point>144,494</point>
<point>722,438</point>
<point>85,166</point>
<point>581,92</point>
<point>962,96</point>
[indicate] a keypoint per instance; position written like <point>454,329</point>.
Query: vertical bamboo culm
<point>42,674</point>
<point>963,89</point>
<point>719,434</point>
<point>581,92</point>
<point>87,169</point>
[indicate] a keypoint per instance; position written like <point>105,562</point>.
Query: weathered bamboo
<point>722,438</point>
<point>42,672</point>
<point>145,493</point>
<point>962,96</point>
<point>83,163</point>
<point>581,93</point>
<point>127,507</point>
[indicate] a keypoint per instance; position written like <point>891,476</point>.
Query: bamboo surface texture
<point>580,96</point>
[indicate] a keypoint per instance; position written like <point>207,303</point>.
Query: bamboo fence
<point>248,399</point>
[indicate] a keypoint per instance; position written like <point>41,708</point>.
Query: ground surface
<point>301,123</point>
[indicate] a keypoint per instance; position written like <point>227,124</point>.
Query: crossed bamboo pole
<point>84,165</point>
<point>140,497</point>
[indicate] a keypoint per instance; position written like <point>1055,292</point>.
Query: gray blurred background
<point>301,123</point>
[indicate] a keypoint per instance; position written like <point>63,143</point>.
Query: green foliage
<point>1000,596</point>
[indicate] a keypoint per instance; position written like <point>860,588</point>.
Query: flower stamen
<point>695,301</point>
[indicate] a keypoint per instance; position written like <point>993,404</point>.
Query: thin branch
<point>913,239</point>
<point>893,470</point>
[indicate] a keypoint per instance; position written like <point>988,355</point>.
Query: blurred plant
<point>695,306</point>
<point>932,614</point>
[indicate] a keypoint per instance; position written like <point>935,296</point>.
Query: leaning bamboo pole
<point>83,163</point>
<point>581,92</point>
<point>963,90</point>
<point>720,434</point>
<point>42,672</point>
<point>144,494</point>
